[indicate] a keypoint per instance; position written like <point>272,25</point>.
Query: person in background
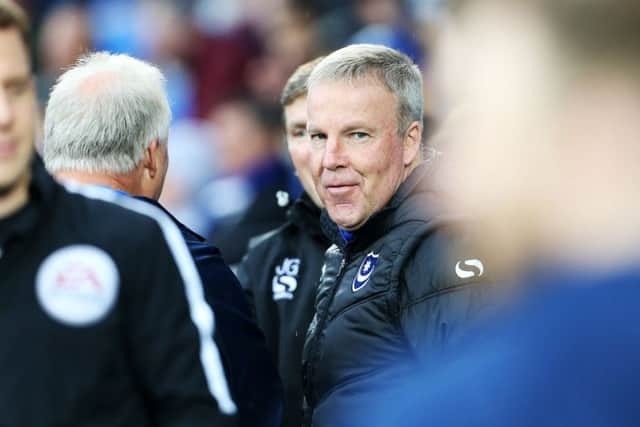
<point>282,267</point>
<point>241,202</point>
<point>398,284</point>
<point>103,314</point>
<point>107,124</point>
<point>545,155</point>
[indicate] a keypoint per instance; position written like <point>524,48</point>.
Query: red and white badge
<point>77,285</point>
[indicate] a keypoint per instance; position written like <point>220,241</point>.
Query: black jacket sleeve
<point>168,329</point>
<point>444,290</point>
<point>252,374</point>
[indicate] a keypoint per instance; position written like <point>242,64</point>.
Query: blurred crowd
<point>226,62</point>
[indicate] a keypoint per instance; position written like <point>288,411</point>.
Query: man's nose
<point>334,154</point>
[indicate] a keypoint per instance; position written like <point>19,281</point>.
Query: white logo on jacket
<point>285,281</point>
<point>77,285</point>
<point>474,267</point>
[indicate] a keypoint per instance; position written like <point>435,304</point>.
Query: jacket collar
<point>306,216</point>
<point>183,228</point>
<point>42,189</point>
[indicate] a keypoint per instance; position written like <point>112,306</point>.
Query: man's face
<point>357,158</point>
<point>17,110</point>
<point>295,117</point>
<point>497,68</point>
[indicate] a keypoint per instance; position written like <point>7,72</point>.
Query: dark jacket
<point>253,379</point>
<point>102,316</point>
<point>232,233</point>
<point>280,273</point>
<point>388,301</point>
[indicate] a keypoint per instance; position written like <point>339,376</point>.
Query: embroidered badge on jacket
<point>365,271</point>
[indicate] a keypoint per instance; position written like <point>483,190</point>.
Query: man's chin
<point>10,186</point>
<point>345,217</point>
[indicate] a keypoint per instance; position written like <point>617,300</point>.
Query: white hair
<point>103,113</point>
<point>392,68</point>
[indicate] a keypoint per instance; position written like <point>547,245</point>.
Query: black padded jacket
<point>388,300</point>
<point>280,273</point>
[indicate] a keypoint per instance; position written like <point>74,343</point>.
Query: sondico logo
<point>285,281</point>
<point>469,268</point>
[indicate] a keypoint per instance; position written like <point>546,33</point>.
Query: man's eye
<point>299,133</point>
<point>359,136</point>
<point>17,88</point>
<point>317,137</point>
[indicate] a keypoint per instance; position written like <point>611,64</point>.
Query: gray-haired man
<point>397,284</point>
<point>107,123</point>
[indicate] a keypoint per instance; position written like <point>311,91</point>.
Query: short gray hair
<point>392,68</point>
<point>103,113</point>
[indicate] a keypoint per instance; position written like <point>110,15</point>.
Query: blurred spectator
<point>193,164</point>
<point>288,41</point>
<point>384,22</point>
<point>242,203</point>
<point>544,154</point>
<point>64,36</point>
<point>116,26</point>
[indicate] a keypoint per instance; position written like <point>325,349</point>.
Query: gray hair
<point>392,68</point>
<point>103,113</point>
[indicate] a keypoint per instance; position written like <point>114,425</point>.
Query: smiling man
<point>397,285</point>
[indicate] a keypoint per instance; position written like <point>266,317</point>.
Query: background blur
<point>226,62</point>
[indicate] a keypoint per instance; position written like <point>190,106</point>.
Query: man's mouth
<point>340,190</point>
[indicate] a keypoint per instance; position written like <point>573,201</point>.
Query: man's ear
<point>150,161</point>
<point>412,143</point>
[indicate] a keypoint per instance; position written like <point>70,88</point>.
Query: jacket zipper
<point>322,323</point>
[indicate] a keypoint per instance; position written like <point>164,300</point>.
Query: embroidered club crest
<point>365,271</point>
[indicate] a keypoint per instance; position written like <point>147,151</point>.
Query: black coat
<point>388,301</point>
<point>102,316</point>
<point>255,385</point>
<point>280,273</point>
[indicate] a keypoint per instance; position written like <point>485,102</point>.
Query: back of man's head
<point>103,113</point>
<point>391,68</point>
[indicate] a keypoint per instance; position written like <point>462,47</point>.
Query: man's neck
<point>117,182</point>
<point>12,200</point>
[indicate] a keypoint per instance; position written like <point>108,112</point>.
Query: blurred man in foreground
<point>281,270</point>
<point>107,123</point>
<point>103,316</point>
<point>545,154</point>
<point>397,285</point>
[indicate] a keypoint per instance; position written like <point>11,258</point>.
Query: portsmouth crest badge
<point>365,271</point>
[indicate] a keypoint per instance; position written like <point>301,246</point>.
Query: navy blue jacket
<point>566,355</point>
<point>253,378</point>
